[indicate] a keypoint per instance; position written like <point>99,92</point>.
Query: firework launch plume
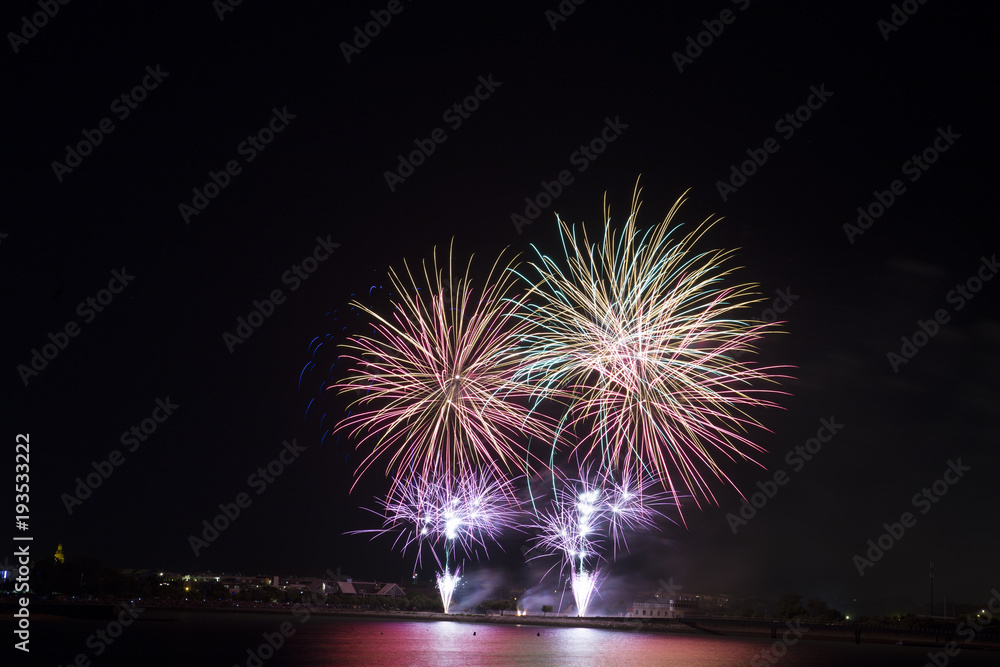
<point>460,517</point>
<point>583,516</point>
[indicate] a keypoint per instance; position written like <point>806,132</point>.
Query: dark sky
<point>212,84</point>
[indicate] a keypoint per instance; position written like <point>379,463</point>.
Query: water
<point>194,638</point>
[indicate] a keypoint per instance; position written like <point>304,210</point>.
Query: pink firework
<point>448,517</point>
<point>440,397</point>
<point>587,514</point>
<point>462,514</point>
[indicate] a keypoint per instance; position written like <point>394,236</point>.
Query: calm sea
<point>193,638</point>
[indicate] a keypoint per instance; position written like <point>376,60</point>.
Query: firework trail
<point>638,332</point>
<point>437,376</point>
<point>448,518</point>
<point>324,350</point>
<point>584,515</point>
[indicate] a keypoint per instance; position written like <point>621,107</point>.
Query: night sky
<point>308,124</point>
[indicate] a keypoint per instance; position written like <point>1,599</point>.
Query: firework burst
<point>463,514</point>
<point>437,376</point>
<point>584,515</point>
<point>641,334</point>
<point>448,518</point>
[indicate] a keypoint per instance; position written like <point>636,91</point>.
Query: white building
<point>657,607</point>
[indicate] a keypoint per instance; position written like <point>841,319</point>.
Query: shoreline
<point>718,627</point>
<point>690,626</point>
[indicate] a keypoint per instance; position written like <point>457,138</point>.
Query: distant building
<point>679,606</point>
<point>237,583</point>
<point>332,584</point>
<point>318,586</point>
<point>365,588</point>
<point>392,590</point>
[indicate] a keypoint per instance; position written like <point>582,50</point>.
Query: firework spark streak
<point>585,585</point>
<point>459,516</point>
<point>584,516</point>
<point>438,378</point>
<point>446,584</point>
<point>639,333</point>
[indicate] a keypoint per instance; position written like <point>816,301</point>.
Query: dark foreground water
<point>194,638</point>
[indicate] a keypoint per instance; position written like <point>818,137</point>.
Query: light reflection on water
<point>325,642</point>
<point>168,638</point>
